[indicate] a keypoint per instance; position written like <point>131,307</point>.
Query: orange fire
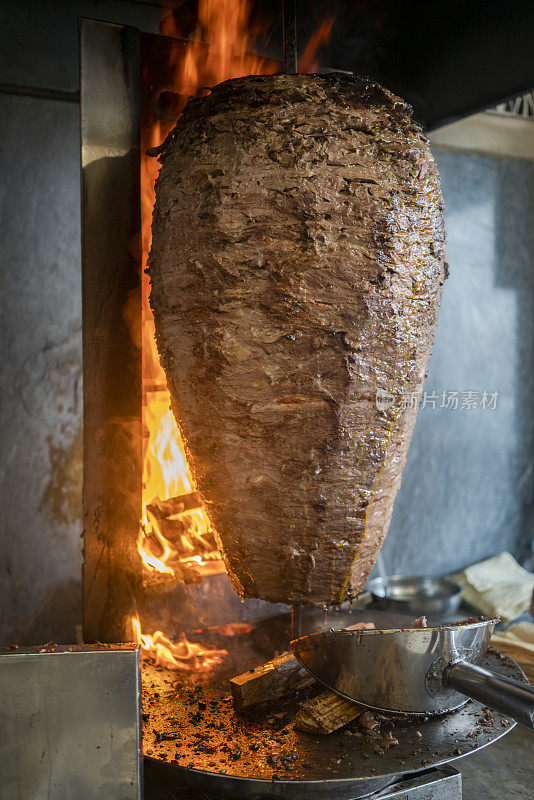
<point>218,51</point>
<point>224,28</point>
<point>183,655</point>
<point>309,61</point>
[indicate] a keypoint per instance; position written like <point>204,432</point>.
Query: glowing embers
<point>181,655</point>
<point>176,539</point>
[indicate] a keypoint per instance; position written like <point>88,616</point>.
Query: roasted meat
<point>297,265</point>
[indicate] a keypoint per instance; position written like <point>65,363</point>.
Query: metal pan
<point>423,743</point>
<point>414,670</point>
<point>416,594</point>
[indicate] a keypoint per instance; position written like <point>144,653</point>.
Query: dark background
<point>468,489</point>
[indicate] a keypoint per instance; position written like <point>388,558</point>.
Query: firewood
<point>171,518</point>
<point>175,505</point>
<point>326,713</point>
<point>277,678</point>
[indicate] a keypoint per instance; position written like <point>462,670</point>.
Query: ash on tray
<point>192,723</point>
<point>189,721</point>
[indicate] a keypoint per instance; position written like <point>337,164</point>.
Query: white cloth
<point>522,633</point>
<point>498,587</point>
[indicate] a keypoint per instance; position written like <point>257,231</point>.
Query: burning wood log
<point>277,678</point>
<point>296,267</point>
<point>173,520</point>
<point>326,713</point>
<point>163,509</point>
<point>182,523</point>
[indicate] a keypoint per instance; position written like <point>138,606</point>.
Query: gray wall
<point>467,490</point>
<point>40,323</point>
<point>40,370</point>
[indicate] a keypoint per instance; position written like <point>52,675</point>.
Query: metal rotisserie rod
<point>296,621</point>
<point>290,37</point>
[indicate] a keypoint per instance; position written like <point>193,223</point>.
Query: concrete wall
<point>467,490</point>
<point>468,486</point>
<point>40,323</point>
<point>40,371</point>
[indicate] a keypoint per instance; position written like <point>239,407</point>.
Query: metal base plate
<point>69,723</point>
<point>335,767</point>
<point>442,783</point>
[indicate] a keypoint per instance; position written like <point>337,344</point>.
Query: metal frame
<point>111,278</point>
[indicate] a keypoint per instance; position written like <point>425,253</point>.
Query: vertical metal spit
<point>290,37</point>
<point>296,621</point>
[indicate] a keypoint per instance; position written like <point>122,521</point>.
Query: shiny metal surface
<point>394,670</point>
<point>417,594</point>
<point>484,776</point>
<point>110,88</point>
<point>70,724</point>
<point>228,787</point>
<point>423,744</point>
<point>442,783</point>
<point>515,700</point>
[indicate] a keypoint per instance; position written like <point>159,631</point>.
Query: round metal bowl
<point>416,594</point>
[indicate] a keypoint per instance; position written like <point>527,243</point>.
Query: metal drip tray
<point>192,735</point>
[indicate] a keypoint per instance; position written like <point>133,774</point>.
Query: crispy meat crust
<point>296,267</point>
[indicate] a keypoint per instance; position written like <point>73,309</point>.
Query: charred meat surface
<point>297,266</point>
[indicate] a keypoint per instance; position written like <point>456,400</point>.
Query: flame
<point>166,471</point>
<point>218,50</point>
<point>183,655</point>
<point>149,528</point>
<point>224,25</point>
<point>308,61</point>
<point>229,629</point>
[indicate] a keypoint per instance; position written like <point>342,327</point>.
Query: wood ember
<point>298,253</point>
<point>175,505</point>
<point>326,713</point>
<point>279,677</point>
<point>172,521</point>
